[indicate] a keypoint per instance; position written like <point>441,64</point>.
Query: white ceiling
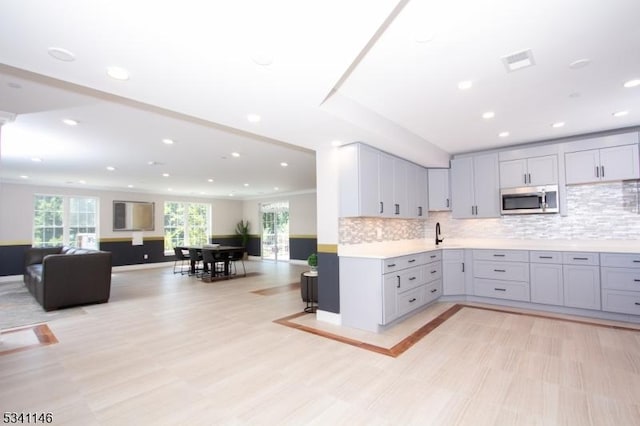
<point>338,70</point>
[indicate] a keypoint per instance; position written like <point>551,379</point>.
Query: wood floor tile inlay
<point>277,290</point>
<point>23,338</point>
<point>413,338</point>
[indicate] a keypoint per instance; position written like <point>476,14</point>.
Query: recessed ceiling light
<point>111,168</point>
<point>275,188</point>
<point>24,177</point>
<point>464,85</point>
<point>336,142</point>
<point>168,141</point>
<point>503,134</point>
<point>235,154</point>
<point>620,113</point>
<point>70,122</point>
<point>61,54</point>
<point>202,193</point>
<point>253,118</point>
<point>283,164</point>
<point>36,160</point>
<point>488,115</point>
<point>632,83</point>
<point>580,63</point>
<point>118,73</point>
<point>169,189</point>
<point>558,124</point>
<point>209,180</point>
<point>246,184</point>
<point>165,175</point>
<point>129,186</point>
<point>82,181</point>
<point>231,195</point>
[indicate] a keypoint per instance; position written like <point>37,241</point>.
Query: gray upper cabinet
<point>602,165</point>
<point>475,187</point>
<point>376,184</point>
<point>439,190</point>
<point>534,171</point>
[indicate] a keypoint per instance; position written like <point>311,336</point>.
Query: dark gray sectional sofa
<point>60,277</point>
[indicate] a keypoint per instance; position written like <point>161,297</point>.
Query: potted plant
<point>312,260</point>
<point>242,229</point>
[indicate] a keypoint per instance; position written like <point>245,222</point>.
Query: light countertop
<point>383,250</point>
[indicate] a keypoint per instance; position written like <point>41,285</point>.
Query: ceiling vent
<point>518,60</point>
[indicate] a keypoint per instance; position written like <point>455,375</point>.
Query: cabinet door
<point>513,173</point>
<point>368,182</point>
<point>582,166</point>
<point>422,192</point>
<point>542,170</point>
<point>619,162</point>
<point>453,277</point>
<point>439,193</point>
<point>462,192</point>
<point>581,286</point>
<point>389,298</point>
<point>547,284</point>
<point>385,184</point>
<point>486,185</point>
<point>416,192</point>
<point>400,196</point>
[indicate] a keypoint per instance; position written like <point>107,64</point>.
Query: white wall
<point>16,211</point>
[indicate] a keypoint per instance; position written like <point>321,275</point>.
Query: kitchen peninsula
<point>382,283</point>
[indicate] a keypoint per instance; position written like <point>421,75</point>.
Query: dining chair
<point>182,259</point>
<point>196,262</point>
<point>235,257</point>
<point>213,263</point>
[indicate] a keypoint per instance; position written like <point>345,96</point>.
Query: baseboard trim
<point>10,278</point>
<point>329,317</point>
<point>141,266</point>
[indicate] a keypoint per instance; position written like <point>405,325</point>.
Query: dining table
<point>223,252</point>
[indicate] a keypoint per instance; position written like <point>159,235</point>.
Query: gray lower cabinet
<point>620,275</point>
<point>503,275</point>
<point>581,275</point>
<point>376,292</point>
<point>453,271</point>
<point>547,284</point>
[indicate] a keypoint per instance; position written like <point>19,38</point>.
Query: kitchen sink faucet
<point>438,240</point>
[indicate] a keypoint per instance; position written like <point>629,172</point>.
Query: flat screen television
<point>133,216</point>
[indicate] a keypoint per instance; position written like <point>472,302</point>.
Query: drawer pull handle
<point>499,270</point>
<point>636,261</point>
<point>391,265</point>
<point>638,303</point>
<point>411,261</point>
<point>545,257</point>
<point>432,256</point>
<point>433,272</point>
<point>412,300</point>
<point>412,278</point>
<point>500,289</point>
<point>434,290</point>
<point>398,276</point>
<point>580,258</point>
<point>636,280</point>
<point>498,255</point>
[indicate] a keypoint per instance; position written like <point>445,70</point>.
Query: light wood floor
<point>175,350</point>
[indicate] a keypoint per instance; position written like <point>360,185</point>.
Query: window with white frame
<point>65,220</point>
<point>186,224</point>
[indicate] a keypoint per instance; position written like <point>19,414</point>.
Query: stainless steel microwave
<point>530,199</point>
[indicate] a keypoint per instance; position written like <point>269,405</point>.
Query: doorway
<point>275,230</point>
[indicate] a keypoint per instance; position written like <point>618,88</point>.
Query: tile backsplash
<point>595,211</point>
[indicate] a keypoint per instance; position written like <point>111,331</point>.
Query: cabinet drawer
<point>402,262</point>
<point>432,271</point>
<point>580,258</point>
<point>620,260</point>
<point>433,291</point>
<point>620,278</point>
<point>501,289</point>
<point>506,271</point>
<point>502,255</point>
<point>410,278</point>
<point>410,300</point>
<point>545,257</point>
<point>624,302</point>
<point>432,256</point>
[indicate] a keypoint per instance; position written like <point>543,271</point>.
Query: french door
<point>275,230</point>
